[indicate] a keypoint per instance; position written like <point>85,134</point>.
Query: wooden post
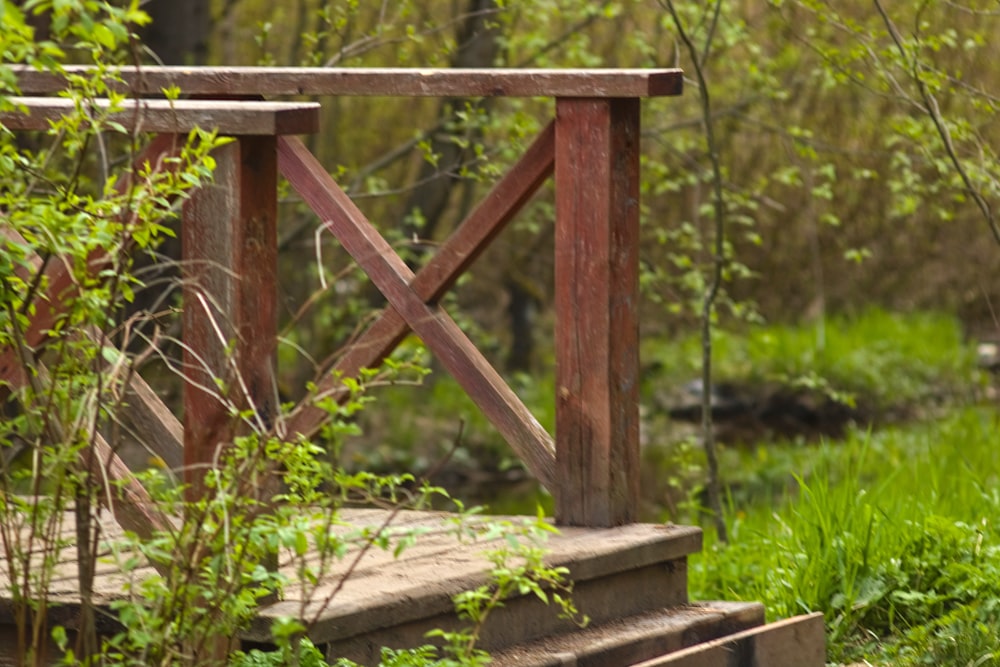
<point>229,322</point>
<point>597,300</point>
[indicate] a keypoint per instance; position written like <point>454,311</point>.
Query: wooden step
<point>793,642</point>
<point>632,639</point>
<point>631,581</point>
<point>387,601</point>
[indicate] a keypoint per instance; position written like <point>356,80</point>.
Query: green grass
<point>893,535</point>
<point>887,358</point>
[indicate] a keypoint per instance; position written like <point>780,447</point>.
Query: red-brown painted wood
<point>398,81</point>
<point>429,321</point>
<point>597,299</point>
<point>229,243</point>
<point>441,272</point>
<point>175,116</point>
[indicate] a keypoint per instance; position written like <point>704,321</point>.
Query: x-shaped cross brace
<point>413,299</point>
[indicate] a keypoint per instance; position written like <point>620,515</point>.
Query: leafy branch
<point>933,110</point>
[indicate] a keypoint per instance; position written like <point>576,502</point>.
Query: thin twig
<point>715,285</point>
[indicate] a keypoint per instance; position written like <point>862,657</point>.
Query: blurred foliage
<point>880,358</point>
<point>838,186</point>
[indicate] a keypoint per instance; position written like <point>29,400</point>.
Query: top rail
<point>176,116</point>
<point>387,82</point>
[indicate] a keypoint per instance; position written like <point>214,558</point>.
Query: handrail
<point>381,82</point>
<point>175,116</point>
<point>591,148</point>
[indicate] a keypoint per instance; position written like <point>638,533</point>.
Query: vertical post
<point>597,292</point>
<point>229,242</point>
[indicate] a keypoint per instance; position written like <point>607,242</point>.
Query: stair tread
<point>791,642</point>
<point>383,590</point>
<point>635,638</point>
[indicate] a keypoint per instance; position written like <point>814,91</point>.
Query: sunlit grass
<point>893,535</point>
<point>888,358</point>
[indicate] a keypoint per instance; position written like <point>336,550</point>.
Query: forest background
<point>840,193</point>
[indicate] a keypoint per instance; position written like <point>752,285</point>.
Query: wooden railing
<point>230,249</point>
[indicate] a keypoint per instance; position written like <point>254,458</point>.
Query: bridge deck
<point>381,596</point>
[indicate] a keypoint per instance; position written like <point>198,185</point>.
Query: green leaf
<point>104,36</point>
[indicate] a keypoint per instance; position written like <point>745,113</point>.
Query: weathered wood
<point>408,82</point>
<point>386,591</point>
<point>792,642</point>
<point>441,272</point>
<point>152,423</point>
<point>429,321</point>
<point>129,502</point>
<point>633,639</point>
<point>617,572</point>
<point>229,246</point>
<point>597,300</point>
<point>117,489</point>
<point>175,117</point>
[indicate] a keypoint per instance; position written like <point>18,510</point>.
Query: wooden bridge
<point>630,578</point>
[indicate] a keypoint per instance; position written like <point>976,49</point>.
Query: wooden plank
<point>597,300</point>
<point>229,248</point>
<point>152,423</point>
<point>370,588</point>
<point>633,639</point>
<point>439,332</point>
<point>128,500</point>
<point>116,488</point>
<point>176,117</point>
<point>383,590</point>
<point>454,256</point>
<point>406,82</point>
<point>793,642</point>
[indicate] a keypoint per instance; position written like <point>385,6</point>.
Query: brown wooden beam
<point>229,248</point>
<point>386,82</point>
<point>597,301</point>
<point>175,117</point>
<point>117,488</point>
<point>438,331</point>
<point>441,272</point>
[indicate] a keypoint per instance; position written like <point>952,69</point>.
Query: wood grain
<point>229,249</point>
<point>176,117</point>
<point>597,299</point>
<point>387,82</point>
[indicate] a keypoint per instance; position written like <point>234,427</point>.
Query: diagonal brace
<point>428,320</point>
